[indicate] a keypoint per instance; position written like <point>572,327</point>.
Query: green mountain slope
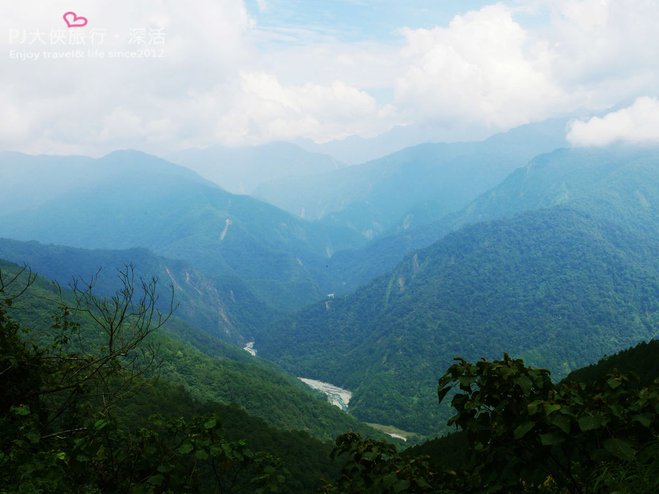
<point>557,287</point>
<point>136,200</point>
<point>617,183</point>
<point>222,306</point>
<point>643,360</point>
<point>207,367</point>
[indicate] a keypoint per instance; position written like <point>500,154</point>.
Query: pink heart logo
<point>74,20</point>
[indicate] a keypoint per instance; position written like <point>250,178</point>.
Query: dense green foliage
<point>210,369</point>
<point>222,306</point>
<point>523,433</point>
<point>557,286</point>
<point>73,421</point>
<point>564,271</point>
<point>642,360</point>
<point>619,184</point>
<point>90,422</point>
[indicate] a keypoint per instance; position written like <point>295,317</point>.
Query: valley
<point>339,305</point>
<point>329,247</point>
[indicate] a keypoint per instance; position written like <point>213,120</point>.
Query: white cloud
<point>636,124</point>
<point>93,105</point>
<point>223,80</point>
<point>267,110</point>
<point>483,68</point>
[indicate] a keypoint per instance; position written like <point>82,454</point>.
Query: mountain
<point>221,306</point>
<point>642,360</point>
<point>617,182</point>
<point>559,286</point>
<point>415,185</point>
<point>207,367</point>
<point>128,199</point>
<point>243,169</point>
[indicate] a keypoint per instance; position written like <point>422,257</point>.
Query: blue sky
<point>247,72</point>
<point>357,20</point>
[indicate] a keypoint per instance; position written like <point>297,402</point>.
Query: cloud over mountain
<point>238,72</point>
<point>636,124</point>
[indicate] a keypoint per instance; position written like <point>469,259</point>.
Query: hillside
<point>221,306</point>
<point>557,287</point>
<point>209,369</point>
<point>642,360</point>
<point>617,183</point>
<point>130,199</point>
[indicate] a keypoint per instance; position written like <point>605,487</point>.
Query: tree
<point>524,433</point>
<point>60,427</point>
<point>524,430</point>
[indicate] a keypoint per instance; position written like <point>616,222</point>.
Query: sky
<point>165,75</point>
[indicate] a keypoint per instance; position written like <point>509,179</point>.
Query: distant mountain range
<point>128,199</point>
<point>415,185</point>
<point>241,170</point>
<point>611,182</point>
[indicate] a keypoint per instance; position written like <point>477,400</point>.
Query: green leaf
<point>185,448</point>
<point>401,485</point>
<point>590,423</point>
<point>100,424</point>
<point>201,455</point>
<point>466,381</point>
<point>157,479</point>
<point>620,448</point>
<point>441,393</point>
<point>551,439</point>
<point>210,423</point>
<point>21,410</point>
<point>644,420</point>
<point>532,407</point>
<point>33,436</point>
<point>561,421</point>
<point>525,383</point>
<point>613,382</point>
<point>521,430</point>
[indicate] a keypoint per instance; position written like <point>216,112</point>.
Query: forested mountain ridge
<point>617,183</point>
<point>222,306</point>
<point>59,435</point>
<point>137,200</point>
<point>608,201</point>
<point>556,286</point>
<point>209,369</point>
<point>415,185</point>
